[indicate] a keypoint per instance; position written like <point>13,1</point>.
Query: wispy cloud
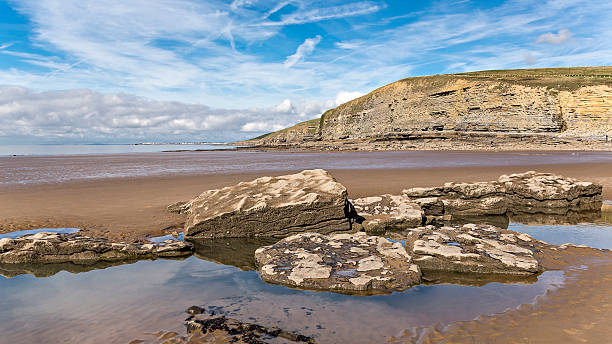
<point>324,13</point>
<point>304,49</point>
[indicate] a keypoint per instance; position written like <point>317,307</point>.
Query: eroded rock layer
<point>388,212</point>
<point>341,262</point>
<point>45,247</point>
<point>269,206</point>
<point>358,262</point>
<point>528,192</point>
<point>472,248</point>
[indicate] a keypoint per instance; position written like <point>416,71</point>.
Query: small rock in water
<point>193,310</point>
<point>48,247</point>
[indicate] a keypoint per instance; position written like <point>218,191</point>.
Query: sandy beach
<point>132,208</point>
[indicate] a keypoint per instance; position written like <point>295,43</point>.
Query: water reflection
<point>239,252</point>
<point>108,302</point>
<point>504,221</point>
<point>148,296</point>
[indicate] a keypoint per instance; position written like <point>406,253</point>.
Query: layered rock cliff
<point>561,101</point>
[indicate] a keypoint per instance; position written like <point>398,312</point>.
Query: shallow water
<point>52,169</point>
<point>51,150</point>
<point>124,302</point>
<point>593,235</point>
<point>18,234</point>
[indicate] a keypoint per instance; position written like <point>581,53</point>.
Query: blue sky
<point>131,70</point>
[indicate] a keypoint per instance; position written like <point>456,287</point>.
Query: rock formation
<point>529,192</point>
<point>45,247</point>
<point>467,107</point>
<point>472,248</point>
<point>269,207</point>
<point>341,262</point>
<point>312,201</point>
<point>204,327</point>
<point>388,212</point>
<point>360,263</point>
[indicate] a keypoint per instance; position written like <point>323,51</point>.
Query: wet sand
<point>134,208</point>
<point>579,312</point>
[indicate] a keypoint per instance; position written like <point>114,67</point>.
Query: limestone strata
<point>269,206</point>
<point>388,212</point>
<point>341,262</point>
<point>48,247</point>
<point>528,192</point>
<point>562,102</point>
<point>472,248</point>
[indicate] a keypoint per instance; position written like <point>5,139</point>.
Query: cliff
<point>558,102</point>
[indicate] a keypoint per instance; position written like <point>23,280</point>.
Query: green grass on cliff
<point>557,78</point>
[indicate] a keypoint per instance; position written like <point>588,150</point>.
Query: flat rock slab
<point>528,192</point>
<point>388,212</point>
<point>46,247</point>
<point>472,248</point>
<point>309,201</point>
<point>339,262</point>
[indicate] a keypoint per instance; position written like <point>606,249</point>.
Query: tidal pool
<point>125,302</point>
<point>17,234</point>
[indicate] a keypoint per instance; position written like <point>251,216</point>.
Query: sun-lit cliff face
<point>571,101</point>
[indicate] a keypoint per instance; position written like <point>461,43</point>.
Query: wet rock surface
<point>471,248</point>
<point>528,192</point>
<point>472,254</point>
<point>309,201</point>
<point>388,212</point>
<point>340,262</point>
<point>45,247</point>
<point>207,328</point>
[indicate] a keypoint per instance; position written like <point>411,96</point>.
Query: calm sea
<point>44,150</point>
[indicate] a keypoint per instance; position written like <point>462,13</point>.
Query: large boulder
<point>309,201</point>
<point>528,192</point>
<point>46,247</point>
<point>341,262</point>
<point>471,248</point>
<point>388,212</point>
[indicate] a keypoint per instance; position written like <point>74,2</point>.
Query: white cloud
<point>284,106</point>
<point>562,37</point>
<point>344,96</point>
<point>302,51</point>
<point>261,127</point>
<point>89,116</point>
